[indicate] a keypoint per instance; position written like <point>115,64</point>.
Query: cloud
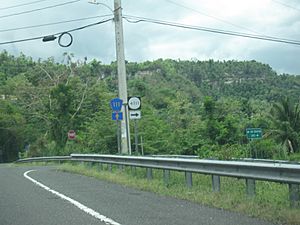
<point>144,41</point>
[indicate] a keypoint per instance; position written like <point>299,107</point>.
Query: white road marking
<point>82,207</point>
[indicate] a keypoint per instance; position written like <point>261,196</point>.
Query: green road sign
<point>254,133</point>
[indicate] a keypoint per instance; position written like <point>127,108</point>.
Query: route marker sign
<point>117,116</point>
<point>254,133</point>
<point>134,103</point>
<point>135,114</point>
<point>116,104</point>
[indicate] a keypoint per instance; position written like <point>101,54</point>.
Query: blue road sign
<point>116,104</point>
<point>117,116</point>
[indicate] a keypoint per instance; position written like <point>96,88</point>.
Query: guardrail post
<point>100,166</point>
<point>166,177</point>
<point>149,173</point>
<point>216,183</point>
<point>109,167</point>
<point>294,191</point>
<point>250,187</point>
<point>121,167</point>
<point>189,179</point>
<point>133,170</point>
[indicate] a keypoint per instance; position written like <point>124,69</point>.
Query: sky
<point>150,41</point>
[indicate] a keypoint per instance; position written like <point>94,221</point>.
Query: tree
<point>11,128</point>
<point>286,122</point>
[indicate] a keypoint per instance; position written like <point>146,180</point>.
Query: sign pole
<point>250,149</point>
<point>136,136</point>
<point>142,146</point>
<point>255,150</point>
<point>118,136</point>
<point>254,134</point>
<point>127,130</point>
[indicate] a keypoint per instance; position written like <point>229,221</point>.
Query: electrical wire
<point>286,5</point>
<point>59,33</point>
<point>86,26</point>
<point>54,23</point>
<point>23,4</point>
<point>136,19</point>
<point>211,30</point>
<point>210,16</point>
<point>39,9</point>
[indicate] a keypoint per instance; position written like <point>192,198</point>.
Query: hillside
<point>249,79</point>
<point>188,107</point>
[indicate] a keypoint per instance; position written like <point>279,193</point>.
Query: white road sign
<point>134,103</point>
<point>135,114</point>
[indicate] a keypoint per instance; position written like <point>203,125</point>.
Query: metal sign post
<point>118,136</point>
<point>253,134</point>
<point>127,130</point>
<point>136,141</point>
<point>134,105</point>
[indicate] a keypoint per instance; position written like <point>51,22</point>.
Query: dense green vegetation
<point>188,107</point>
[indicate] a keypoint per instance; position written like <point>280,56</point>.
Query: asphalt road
<point>22,202</point>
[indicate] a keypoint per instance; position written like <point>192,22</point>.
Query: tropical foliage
<point>286,119</point>
<point>188,107</point>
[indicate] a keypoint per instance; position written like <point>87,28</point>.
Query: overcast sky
<point>147,41</point>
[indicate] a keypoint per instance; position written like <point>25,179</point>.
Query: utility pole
<point>122,83</point>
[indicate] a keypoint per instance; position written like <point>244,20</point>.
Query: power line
<point>286,5</point>
<point>39,9</point>
<point>68,31</point>
<point>214,17</point>
<point>86,26</point>
<point>54,23</point>
<point>211,30</point>
<point>21,40</point>
<point>24,4</point>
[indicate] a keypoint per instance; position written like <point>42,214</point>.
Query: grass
<point>271,201</point>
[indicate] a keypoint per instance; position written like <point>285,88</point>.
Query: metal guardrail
<point>233,159</point>
<point>45,159</point>
<point>175,156</point>
<point>267,161</point>
<point>277,172</point>
<point>267,171</point>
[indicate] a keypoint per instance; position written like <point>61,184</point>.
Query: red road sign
<point>71,135</point>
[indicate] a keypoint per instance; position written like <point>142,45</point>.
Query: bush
<point>234,151</point>
<point>294,157</point>
<point>208,151</point>
<point>265,149</point>
<point>262,149</point>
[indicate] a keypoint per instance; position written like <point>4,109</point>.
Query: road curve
<point>25,202</point>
